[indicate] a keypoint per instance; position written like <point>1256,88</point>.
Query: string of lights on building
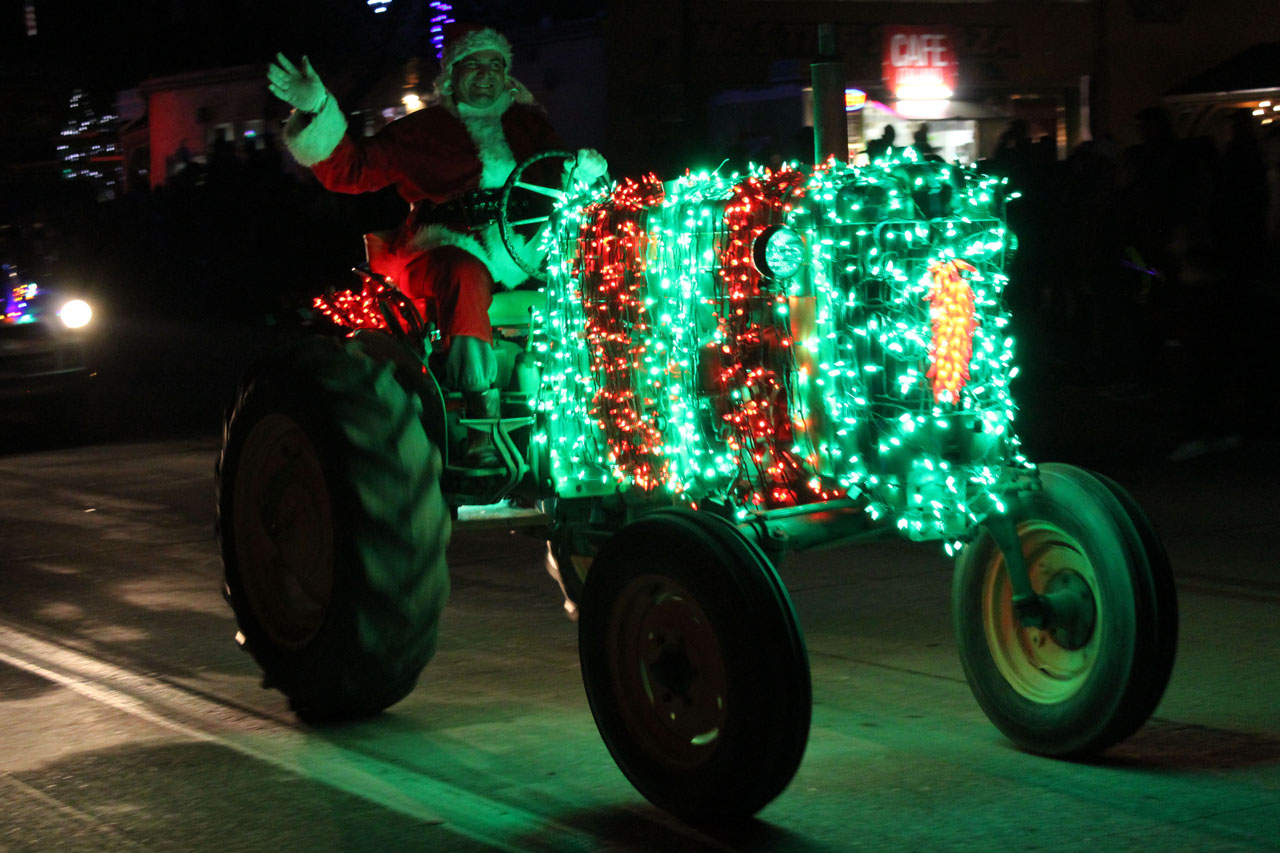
<point>87,146</point>
<point>440,15</point>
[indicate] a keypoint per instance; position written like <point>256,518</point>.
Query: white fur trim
<point>312,138</point>
<point>487,247</point>
<point>485,38</point>
<point>485,129</point>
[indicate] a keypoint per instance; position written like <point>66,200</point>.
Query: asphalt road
<point>130,720</point>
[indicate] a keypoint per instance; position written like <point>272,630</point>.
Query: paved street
<point>130,720</point>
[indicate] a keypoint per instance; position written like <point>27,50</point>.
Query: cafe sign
<point>920,62</point>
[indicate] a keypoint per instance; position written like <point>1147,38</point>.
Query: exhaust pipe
<point>830,128</point>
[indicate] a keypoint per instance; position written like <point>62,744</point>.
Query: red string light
<point>611,265</point>
<point>356,310</point>
<point>757,351</point>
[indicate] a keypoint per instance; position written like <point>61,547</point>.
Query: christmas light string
<point>723,381</point>
<point>618,331</point>
<point>374,306</point>
<point>755,355</point>
<point>674,369</point>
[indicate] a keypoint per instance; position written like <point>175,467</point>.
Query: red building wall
<point>189,108</point>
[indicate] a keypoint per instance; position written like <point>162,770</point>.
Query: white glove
<point>300,88</point>
<point>591,164</point>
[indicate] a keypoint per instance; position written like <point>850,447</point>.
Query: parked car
<point>45,337</point>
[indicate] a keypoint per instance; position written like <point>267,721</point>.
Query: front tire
<point>1071,690</point>
<point>694,666</point>
<point>333,530</point>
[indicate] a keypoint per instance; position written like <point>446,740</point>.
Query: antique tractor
<point>716,372</point>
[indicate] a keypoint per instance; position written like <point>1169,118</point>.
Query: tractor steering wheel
<point>525,204</point>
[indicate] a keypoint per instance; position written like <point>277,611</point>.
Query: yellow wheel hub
<point>1042,664</point>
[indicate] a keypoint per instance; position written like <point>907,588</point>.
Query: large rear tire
<point>332,528</point>
<point>694,666</point>
<point>1072,689</point>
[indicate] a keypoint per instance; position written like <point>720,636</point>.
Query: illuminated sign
<point>920,62</point>
<point>854,100</point>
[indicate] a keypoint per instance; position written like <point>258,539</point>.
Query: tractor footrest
<point>501,516</point>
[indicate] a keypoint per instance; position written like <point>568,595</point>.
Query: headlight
<point>75,314</point>
<point>778,252</point>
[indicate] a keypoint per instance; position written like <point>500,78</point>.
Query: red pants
<point>452,286</point>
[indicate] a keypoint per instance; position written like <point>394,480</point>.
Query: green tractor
<point>715,372</point>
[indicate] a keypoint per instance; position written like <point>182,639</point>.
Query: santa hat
<point>461,40</point>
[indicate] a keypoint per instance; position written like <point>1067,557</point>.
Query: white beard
<point>484,126</point>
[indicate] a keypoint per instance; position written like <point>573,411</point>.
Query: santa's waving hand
<point>300,88</point>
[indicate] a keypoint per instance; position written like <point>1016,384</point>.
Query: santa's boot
<point>481,452</point>
<point>471,368</point>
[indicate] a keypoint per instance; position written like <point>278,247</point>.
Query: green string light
<point>675,369</point>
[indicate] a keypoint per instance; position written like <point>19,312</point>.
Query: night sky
<point>106,45</point>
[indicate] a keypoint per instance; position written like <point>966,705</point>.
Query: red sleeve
<point>362,165</point>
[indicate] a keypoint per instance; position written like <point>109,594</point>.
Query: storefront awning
<point>1250,74</point>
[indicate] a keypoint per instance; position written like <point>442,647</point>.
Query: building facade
<point>170,123</point>
<point>701,77</point>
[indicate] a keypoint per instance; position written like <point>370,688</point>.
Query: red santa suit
<point>433,156</point>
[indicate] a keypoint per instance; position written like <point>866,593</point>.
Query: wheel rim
<point>668,670</point>
<point>283,522</point>
<point>1042,664</point>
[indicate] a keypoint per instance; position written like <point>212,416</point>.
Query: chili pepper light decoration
<point>953,319</point>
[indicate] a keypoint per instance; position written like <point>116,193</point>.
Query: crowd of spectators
<point>1149,271</point>
<point>234,236</point>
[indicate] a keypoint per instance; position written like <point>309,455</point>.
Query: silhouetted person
<point>882,146</point>
<point>1012,157</point>
<point>921,140</point>
<point>1243,197</point>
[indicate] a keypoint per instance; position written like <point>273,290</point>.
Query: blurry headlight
<point>75,314</point>
<point>778,252</point>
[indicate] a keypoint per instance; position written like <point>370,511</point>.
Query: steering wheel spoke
<point>517,248</point>
<point>549,192</point>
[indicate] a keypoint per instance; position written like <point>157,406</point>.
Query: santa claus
<point>448,161</point>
